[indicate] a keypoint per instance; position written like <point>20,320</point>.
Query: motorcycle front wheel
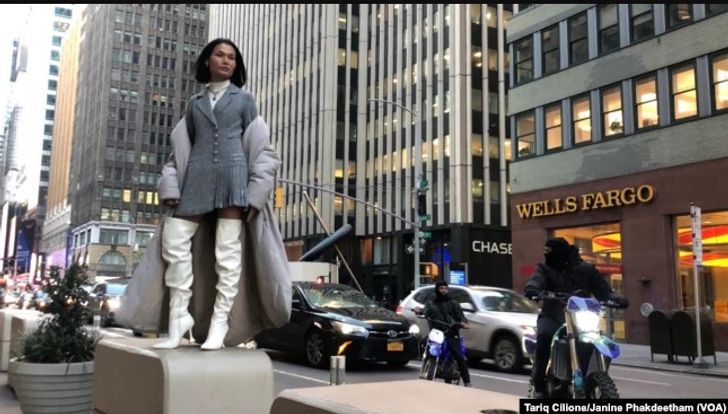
<point>600,386</point>
<point>427,372</point>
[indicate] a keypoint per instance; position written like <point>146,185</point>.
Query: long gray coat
<point>264,291</point>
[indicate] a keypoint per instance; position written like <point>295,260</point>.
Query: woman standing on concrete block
<point>221,172</point>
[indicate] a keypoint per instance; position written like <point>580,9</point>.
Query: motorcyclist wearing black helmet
<point>563,272</point>
<point>447,311</point>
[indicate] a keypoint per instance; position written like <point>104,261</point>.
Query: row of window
<point>126,195</point>
<point>125,75</point>
<point>123,95</point>
<point>144,158</point>
<point>123,36</point>
<point>683,105</point>
<point>641,23</point>
<point>128,18</point>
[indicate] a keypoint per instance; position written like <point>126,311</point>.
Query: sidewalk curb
<point>677,369</point>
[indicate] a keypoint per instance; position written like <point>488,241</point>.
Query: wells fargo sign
<point>592,201</point>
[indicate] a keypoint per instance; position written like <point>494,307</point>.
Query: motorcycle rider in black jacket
<point>563,272</point>
<point>445,312</point>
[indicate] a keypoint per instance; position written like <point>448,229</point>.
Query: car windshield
<point>115,290</point>
<point>337,297</point>
<point>505,301</point>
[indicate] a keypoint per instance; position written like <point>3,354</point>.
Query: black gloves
<point>531,293</point>
<point>620,301</point>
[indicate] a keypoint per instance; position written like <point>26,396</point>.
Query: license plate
<point>395,347</point>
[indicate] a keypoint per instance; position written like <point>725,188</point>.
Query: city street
<point>291,372</point>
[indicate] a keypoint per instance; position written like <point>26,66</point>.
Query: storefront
<point>459,253</point>
<point>636,229</point>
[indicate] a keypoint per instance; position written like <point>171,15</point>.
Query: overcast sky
<point>11,20</point>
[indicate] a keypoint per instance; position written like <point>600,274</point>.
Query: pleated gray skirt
<point>215,178</point>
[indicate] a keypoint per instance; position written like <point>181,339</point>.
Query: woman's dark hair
<point>202,72</point>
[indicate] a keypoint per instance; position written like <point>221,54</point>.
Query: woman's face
<point>221,62</point>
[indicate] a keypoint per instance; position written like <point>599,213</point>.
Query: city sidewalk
<point>639,356</point>
<point>8,403</point>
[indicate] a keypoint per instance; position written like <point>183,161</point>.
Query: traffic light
<point>278,199</point>
<point>421,204</point>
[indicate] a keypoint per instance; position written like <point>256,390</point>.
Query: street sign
<point>410,250</point>
<point>424,184</point>
<point>425,217</point>
<point>697,235</point>
<point>423,241</point>
<point>426,234</point>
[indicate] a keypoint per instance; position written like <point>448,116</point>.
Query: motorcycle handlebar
<point>563,297</point>
<point>454,326</point>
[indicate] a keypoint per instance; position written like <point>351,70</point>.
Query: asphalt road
<point>291,372</point>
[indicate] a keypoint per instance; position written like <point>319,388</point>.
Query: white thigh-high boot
<point>176,252</point>
<point>228,264</point>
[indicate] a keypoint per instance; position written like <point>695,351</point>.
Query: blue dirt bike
<point>580,353</point>
<point>437,361</point>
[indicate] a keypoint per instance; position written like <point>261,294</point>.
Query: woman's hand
<point>171,202</point>
<point>252,214</point>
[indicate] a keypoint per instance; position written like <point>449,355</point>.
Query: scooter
<point>580,353</point>
<point>437,361</point>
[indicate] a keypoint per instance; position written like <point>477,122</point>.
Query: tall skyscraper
<point>32,98</point>
<point>133,81</point>
<point>56,229</point>
<point>320,74</point>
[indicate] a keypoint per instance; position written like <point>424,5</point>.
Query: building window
<point>679,14</point>
<point>525,136</point>
<point>581,114</point>
<point>720,82</point>
<point>143,238</point>
<point>646,102</point>
<point>524,59</point>
<point>113,236</point>
<point>578,44</point>
<point>601,245</point>
<point>550,46</point>
<point>53,70</point>
<point>57,40</point>
<point>684,94</point>
<point>612,111</point>
<point>554,138</point>
<point>608,28</point>
<point>52,84</point>
<point>715,8</point>
<point>643,23</point>
<point>714,289</point>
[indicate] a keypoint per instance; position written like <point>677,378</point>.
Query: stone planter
<point>53,388</point>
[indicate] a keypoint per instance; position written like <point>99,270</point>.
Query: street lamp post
<point>419,187</point>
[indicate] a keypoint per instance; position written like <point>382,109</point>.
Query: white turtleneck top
<point>215,91</point>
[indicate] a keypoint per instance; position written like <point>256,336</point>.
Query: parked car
<point>333,319</point>
<point>499,319</point>
<point>105,299</point>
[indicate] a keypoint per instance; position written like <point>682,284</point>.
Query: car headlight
<point>349,329</point>
<point>414,329</point>
<point>528,330</point>
<point>586,321</point>
<point>114,303</point>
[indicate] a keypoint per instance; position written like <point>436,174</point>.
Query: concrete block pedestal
<point>6,333</point>
<point>413,396</point>
<point>132,377</point>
